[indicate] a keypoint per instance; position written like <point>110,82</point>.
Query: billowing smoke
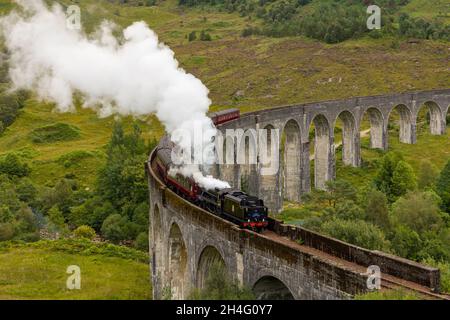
<point>136,76</point>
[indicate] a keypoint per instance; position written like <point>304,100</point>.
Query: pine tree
<point>443,187</point>
<point>383,179</point>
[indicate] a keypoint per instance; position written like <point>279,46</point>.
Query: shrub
<point>403,179</point>
<point>406,242</point>
<point>55,133</point>
<point>419,211</point>
<point>192,36</point>
<point>114,228</point>
<point>204,36</point>
<point>377,210</point>
<point>356,232</point>
<point>6,231</point>
<point>428,175</point>
<point>141,242</point>
<point>84,232</point>
<point>12,165</point>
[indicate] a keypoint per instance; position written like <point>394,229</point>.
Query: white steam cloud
<point>136,76</point>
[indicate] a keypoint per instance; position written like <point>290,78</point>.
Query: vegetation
<point>107,271</point>
<point>55,133</point>
<point>116,208</point>
<point>219,286</point>
<point>412,223</point>
<point>329,21</point>
<point>397,294</point>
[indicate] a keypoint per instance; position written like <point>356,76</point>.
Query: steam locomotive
<point>231,204</point>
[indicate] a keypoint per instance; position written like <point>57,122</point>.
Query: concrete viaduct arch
<point>293,124</point>
<point>185,241</point>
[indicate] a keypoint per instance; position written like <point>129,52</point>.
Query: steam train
<point>231,204</point>
<point>224,116</point>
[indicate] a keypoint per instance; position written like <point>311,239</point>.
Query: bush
<point>406,242</point>
<point>55,133</point>
<point>84,232</point>
<point>141,242</point>
<point>419,211</point>
<point>377,210</point>
<point>403,179</point>
<point>114,228</point>
<point>356,232</point>
<point>204,36</point>
<point>6,231</point>
<point>11,165</point>
<point>444,268</point>
<point>428,175</point>
<point>192,36</point>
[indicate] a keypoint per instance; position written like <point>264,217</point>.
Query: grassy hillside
<point>38,271</point>
<point>428,9</point>
<point>47,159</point>
<point>252,73</point>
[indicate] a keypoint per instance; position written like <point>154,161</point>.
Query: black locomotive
<point>232,204</point>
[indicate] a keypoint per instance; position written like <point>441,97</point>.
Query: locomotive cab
<point>249,211</point>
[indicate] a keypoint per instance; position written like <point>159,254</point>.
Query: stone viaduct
<point>288,262</point>
<point>293,123</point>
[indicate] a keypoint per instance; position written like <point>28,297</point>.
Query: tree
<point>428,175</point>
<point>403,179</point>
<point>377,210</point>
<point>419,211</point>
<point>443,187</point>
<point>122,181</point>
<point>384,179</point>
<point>60,195</point>
<point>336,190</point>
<point>57,223</point>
